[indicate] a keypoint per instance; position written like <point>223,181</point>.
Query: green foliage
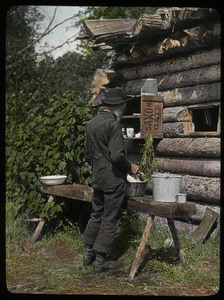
<point>71,72</point>
<point>50,141</point>
<point>44,133</point>
<point>21,71</point>
<point>116,12</point>
<point>148,164</point>
<point>16,230</point>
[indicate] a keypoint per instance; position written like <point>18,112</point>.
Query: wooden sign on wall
<point>151,116</point>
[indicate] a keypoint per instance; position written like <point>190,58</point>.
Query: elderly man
<point>106,154</point>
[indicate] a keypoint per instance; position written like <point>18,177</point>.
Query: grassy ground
<point>54,264</point>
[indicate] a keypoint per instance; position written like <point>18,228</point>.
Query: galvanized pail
<point>166,186</point>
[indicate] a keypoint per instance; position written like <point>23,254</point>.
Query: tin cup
<point>130,132</point>
<point>181,198</point>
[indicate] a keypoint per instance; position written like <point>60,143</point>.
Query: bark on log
<point>177,80</point>
<point>153,23</point>
<point>186,78</point>
<point>175,114</point>
<point>191,166</point>
<point>192,95</point>
<point>186,41</point>
<point>176,129</point>
<point>173,65</point>
<point>191,147</point>
<point>201,189</point>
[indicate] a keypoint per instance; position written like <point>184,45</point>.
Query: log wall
<point>186,79</point>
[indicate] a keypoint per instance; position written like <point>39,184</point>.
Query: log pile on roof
<point>112,34</point>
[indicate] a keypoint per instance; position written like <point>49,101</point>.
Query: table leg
<point>40,224</point>
<point>141,247</point>
<point>176,240</point>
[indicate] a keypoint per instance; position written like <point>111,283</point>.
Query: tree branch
<point>38,39</point>
<point>59,46</point>
<point>47,31</point>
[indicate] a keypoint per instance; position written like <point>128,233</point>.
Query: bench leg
<point>141,247</point>
<point>40,225</point>
<point>176,240</point>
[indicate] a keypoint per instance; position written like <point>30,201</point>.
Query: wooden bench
<point>146,205</point>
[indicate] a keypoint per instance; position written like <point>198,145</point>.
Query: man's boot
<point>102,264</point>
<point>89,255</point>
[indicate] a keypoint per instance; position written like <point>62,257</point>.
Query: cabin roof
<point>109,34</point>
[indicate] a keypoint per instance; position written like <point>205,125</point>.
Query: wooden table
<point>146,205</point>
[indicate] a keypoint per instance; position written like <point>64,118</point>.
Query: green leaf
<point>62,166</point>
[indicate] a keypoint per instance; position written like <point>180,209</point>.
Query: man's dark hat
<point>114,96</point>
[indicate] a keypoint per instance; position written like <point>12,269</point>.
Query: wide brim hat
<point>114,96</point>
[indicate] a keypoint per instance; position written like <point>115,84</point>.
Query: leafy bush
<point>50,141</point>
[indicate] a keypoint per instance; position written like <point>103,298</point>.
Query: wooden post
<point>141,247</point>
<point>40,225</point>
<point>176,240</point>
<point>38,230</point>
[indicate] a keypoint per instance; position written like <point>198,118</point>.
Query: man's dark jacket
<point>105,152</point>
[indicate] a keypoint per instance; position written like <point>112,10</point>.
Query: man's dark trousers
<point>105,218</point>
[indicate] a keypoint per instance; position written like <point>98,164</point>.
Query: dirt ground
<point>57,269</point>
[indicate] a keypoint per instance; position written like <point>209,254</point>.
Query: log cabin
<point>180,49</point>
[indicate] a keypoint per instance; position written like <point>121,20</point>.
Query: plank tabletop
<point>144,204</point>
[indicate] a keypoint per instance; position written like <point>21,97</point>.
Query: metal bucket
<point>136,189</point>
<point>166,186</point>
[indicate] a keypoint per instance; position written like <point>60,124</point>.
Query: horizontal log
<point>176,80</point>
<point>162,209</point>
<point>176,129</point>
<point>150,24</point>
<point>192,95</point>
<point>190,77</point>
<point>192,166</point>
<point>185,129</point>
<point>173,65</point>
<point>175,114</point>
<point>191,147</point>
<point>201,189</point>
<point>186,41</point>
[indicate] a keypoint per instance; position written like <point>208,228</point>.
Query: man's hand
<point>134,169</point>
